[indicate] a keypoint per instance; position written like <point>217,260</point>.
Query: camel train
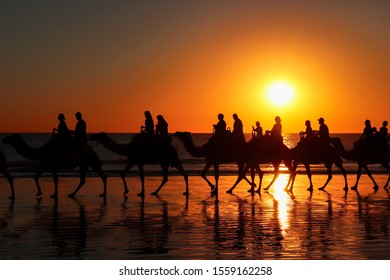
<point>146,149</point>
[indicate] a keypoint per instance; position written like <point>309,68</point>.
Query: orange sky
<point>190,60</point>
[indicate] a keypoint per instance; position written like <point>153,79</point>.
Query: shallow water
<point>274,225</point>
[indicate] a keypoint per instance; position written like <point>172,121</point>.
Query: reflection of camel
<point>315,153</point>
<point>139,152</point>
<point>364,155</point>
<point>216,152</point>
<point>4,170</point>
<point>263,151</point>
<point>54,160</point>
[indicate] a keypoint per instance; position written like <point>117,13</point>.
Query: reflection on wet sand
<point>330,224</point>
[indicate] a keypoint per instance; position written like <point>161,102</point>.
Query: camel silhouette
<point>260,151</point>
<point>315,152</point>
<point>53,159</point>
<point>216,152</point>
<point>139,152</point>
<point>365,154</point>
<point>5,171</point>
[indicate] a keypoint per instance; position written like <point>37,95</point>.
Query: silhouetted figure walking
<point>161,127</point>
<point>257,131</point>
<point>148,128</point>
<point>238,128</point>
<point>80,132</point>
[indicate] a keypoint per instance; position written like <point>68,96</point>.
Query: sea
<point>114,163</point>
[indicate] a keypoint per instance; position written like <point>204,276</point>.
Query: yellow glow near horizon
<point>280,94</point>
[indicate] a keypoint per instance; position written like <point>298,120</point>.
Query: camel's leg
<point>123,176</point>
<point>261,175</point>
<point>142,178</point>
<point>329,171</point>
<point>341,167</point>
<point>10,180</point>
<point>83,175</point>
<point>36,179</point>
<point>358,175</point>
<point>387,167</point>
<point>98,169</point>
<point>276,175</point>
<point>309,175</point>
<point>370,176</point>
<point>241,175</point>
<point>164,180</point>
<point>293,174</point>
<point>204,175</point>
<point>180,168</point>
<point>55,181</point>
<point>216,177</point>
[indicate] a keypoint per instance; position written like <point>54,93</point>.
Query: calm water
<point>274,225</point>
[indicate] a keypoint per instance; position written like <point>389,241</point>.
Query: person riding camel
<point>161,127</point>
<point>238,128</point>
<point>323,132</point>
<point>276,131</point>
<point>257,132</point>
<point>308,133</point>
<point>148,128</point>
<point>62,135</point>
<point>367,137</point>
<point>220,127</point>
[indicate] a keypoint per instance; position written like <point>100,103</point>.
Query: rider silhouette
<point>308,133</point>
<point>62,135</point>
<point>257,131</point>
<point>148,128</point>
<point>276,131</point>
<point>220,127</point>
<point>238,128</point>
<point>323,133</point>
<point>80,132</point>
<point>161,127</point>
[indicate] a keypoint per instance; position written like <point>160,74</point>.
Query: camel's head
<point>12,139</point>
<point>182,135</point>
<point>336,141</point>
<point>98,136</point>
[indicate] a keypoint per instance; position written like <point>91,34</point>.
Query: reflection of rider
<point>220,127</point>
<point>161,127</point>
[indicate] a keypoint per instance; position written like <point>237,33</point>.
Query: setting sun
<point>280,94</point>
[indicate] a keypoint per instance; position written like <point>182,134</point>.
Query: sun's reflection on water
<point>284,202</point>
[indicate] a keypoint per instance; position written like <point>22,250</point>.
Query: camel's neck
<point>25,150</point>
<point>110,144</point>
<point>348,155</point>
<point>193,150</point>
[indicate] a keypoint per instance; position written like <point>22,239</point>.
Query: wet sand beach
<point>331,224</point>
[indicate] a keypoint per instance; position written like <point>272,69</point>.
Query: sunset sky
<point>190,60</point>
